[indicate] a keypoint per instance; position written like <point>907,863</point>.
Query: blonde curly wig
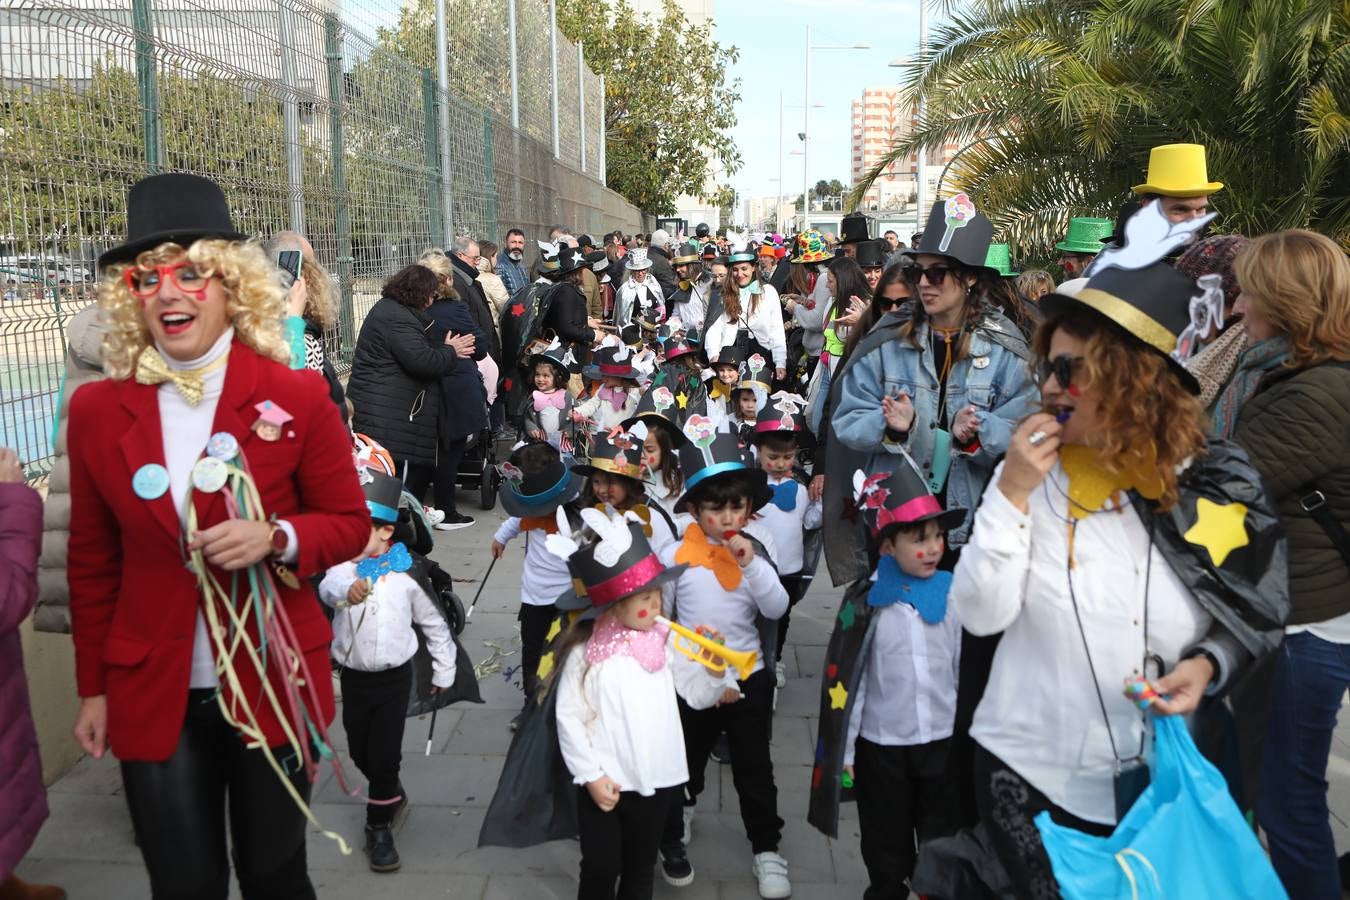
<point>255,300</point>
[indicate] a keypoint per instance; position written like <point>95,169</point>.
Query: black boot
<point>380,849</point>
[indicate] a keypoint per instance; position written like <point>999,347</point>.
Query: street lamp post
<point>806,117</point>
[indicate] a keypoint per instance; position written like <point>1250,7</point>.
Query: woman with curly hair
<point>198,377</point>
<point>1114,541</point>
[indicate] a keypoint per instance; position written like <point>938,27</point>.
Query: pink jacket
<point>23,801</point>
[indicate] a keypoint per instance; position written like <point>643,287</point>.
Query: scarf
<point>928,596</point>
<point>1255,362</point>
<point>697,550</point>
<point>613,638</point>
<point>720,389</point>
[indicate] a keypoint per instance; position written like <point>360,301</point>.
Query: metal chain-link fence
<point>316,115</point>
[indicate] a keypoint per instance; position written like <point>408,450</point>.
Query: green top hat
<point>1085,236</point>
<point>999,258</point>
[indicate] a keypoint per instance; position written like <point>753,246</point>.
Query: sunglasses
<point>1062,367</point>
<point>885,304</point>
<point>145,281</point>
<point>936,274</point>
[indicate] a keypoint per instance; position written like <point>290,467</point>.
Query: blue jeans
<point>1311,677</point>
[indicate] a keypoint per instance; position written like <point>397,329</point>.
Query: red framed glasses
<point>145,281</point>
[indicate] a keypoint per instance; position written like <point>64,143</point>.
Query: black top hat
<point>784,414</point>
<point>598,260</point>
<point>382,495</point>
<point>686,343</point>
<point>556,354</point>
<point>896,494</point>
<point>585,240</point>
<point>613,452</point>
<point>1134,291</point>
<point>659,407</point>
<point>756,372</point>
<point>543,490</point>
<point>709,454</point>
<point>854,227</point>
<point>730,355</point>
<point>619,564</point>
<point>616,362</point>
<point>870,254</point>
<point>710,252</point>
<point>569,260</point>
<point>957,230</point>
<point>688,253</point>
<point>175,207</point>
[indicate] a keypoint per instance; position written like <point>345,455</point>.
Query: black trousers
<point>448,456</point>
<point>618,848</point>
<point>534,625</point>
<point>374,711</point>
<point>178,810</point>
<point>1008,807</point>
<point>746,723</point>
<point>793,585</point>
<point>904,798</point>
<point>416,478</point>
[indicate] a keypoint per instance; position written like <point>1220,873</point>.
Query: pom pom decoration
<point>1140,691</point>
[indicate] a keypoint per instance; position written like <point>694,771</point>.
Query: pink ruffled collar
<point>612,638</point>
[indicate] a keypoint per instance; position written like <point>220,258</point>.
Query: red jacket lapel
<point>232,416</point>
<point>142,444</point>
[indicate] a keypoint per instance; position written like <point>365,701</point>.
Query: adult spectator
<point>914,240</point>
<point>463,406</point>
<point>194,353</point>
<point>1033,284</point>
<point>397,368</point>
<point>1081,244</point>
<point>751,318</point>
<point>892,241</point>
<point>590,282</point>
<point>1179,177</point>
<point>1291,400</point>
<point>464,257</point>
<point>313,299</point>
<point>1225,338</point>
<point>510,265</point>
<point>658,251</point>
<point>23,802</point>
<point>493,286</point>
<point>567,306</point>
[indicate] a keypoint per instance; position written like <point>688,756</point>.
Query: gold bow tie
<point>152,369</point>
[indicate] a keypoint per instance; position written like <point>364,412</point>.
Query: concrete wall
<point>49,660</point>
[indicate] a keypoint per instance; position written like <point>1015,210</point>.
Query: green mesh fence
<point>325,117</point>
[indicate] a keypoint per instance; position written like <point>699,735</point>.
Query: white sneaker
<point>434,516</point>
<point>688,816</point>
<point>770,871</point>
<point>780,674</point>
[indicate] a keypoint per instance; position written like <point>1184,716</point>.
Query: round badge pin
<point>209,474</point>
<point>222,446</point>
<point>150,481</point>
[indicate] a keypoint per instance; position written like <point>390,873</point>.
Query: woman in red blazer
<point>195,355</point>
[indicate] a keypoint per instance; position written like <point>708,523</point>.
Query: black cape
<point>421,701</point>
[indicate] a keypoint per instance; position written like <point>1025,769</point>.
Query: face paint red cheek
<point>1074,391</point>
<point>642,614</point>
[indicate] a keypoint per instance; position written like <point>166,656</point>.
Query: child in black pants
<point>377,604</point>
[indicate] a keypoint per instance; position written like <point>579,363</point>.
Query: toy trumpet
<point>692,644</point>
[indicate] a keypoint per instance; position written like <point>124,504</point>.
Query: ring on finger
<point>1037,438</point>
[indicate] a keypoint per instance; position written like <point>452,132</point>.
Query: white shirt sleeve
<point>437,633</point>
<point>855,718</point>
<point>989,585</point>
<point>336,582</point>
<point>700,686</point>
<point>508,530</point>
<point>573,712</point>
<point>764,586</point>
<point>769,314</point>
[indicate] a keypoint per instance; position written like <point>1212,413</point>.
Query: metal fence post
<point>489,177</point>
<point>431,116</point>
<point>602,126</point>
<point>581,104</point>
<point>443,83</point>
<point>515,65</point>
<point>142,21</point>
<point>553,54</point>
<point>336,86</point>
<point>290,118</point>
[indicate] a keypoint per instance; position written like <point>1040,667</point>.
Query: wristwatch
<point>279,539</point>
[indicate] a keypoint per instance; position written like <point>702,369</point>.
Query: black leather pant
<point>178,809</point>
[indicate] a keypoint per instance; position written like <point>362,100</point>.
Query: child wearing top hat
<point>616,397</point>
<point>748,399</point>
<point>377,604</point>
<point>780,431</point>
<point>730,585</point>
<point>726,374</point>
<point>658,411</point>
<point>888,698</point>
<point>548,407</point>
<point>536,482</point>
<point>618,722</point>
<point>614,473</point>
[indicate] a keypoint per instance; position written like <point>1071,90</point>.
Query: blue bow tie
<point>395,559</point>
<point>927,595</point>
<point>785,495</point>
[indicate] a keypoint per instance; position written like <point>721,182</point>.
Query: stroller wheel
<point>487,488</point>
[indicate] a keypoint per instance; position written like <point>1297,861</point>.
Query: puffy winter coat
<point>84,354</point>
<point>1294,429</point>
<point>23,802</point>
<point>395,381</point>
<point>463,404</point>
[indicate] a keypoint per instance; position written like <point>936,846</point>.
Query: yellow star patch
<point>554,630</point>
<point>682,398</point>
<point>838,695</point>
<point>1219,527</point>
<point>545,665</point>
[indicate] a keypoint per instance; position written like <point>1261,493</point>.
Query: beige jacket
<point>497,297</point>
<point>84,353</point>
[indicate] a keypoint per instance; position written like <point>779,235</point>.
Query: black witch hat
<point>957,230</point>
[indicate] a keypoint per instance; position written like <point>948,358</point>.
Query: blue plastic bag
<point>1184,837</point>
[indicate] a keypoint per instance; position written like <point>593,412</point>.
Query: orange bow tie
<point>696,550</point>
<point>546,524</point>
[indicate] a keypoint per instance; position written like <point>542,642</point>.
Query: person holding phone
<point>311,309</point>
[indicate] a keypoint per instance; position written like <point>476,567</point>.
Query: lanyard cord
<point>1096,685</point>
<point>946,372</point>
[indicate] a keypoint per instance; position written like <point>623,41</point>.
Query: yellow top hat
<point>1178,170</point>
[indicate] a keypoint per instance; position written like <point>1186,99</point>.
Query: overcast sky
<point>771,37</point>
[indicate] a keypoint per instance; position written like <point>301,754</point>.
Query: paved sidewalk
<point>87,845</point>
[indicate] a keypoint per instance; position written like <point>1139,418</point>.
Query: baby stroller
<point>478,468</point>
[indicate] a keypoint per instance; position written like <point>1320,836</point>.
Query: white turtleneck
<point>184,441</point>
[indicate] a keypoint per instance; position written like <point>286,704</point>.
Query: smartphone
<point>289,263</point>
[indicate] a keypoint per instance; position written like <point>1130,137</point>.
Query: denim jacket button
<point>932,425</point>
